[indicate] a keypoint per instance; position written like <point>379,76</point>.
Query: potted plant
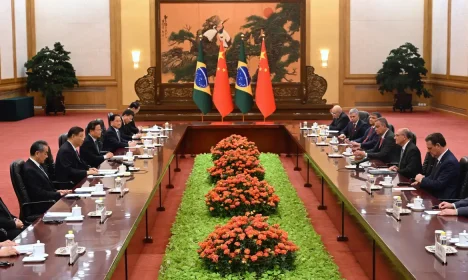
<point>402,74</point>
<point>50,72</point>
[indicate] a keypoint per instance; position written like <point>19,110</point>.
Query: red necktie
<point>368,135</point>
<point>381,141</point>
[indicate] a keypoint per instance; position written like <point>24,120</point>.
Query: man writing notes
<point>126,129</point>
<point>69,166</point>
<point>385,149</point>
<point>340,119</point>
<point>355,128</point>
<point>410,156</point>
<point>113,139</point>
<point>443,180</point>
<point>135,107</point>
<point>90,151</point>
<point>370,138</point>
<point>36,180</point>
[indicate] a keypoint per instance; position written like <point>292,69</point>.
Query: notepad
<point>57,214</point>
<point>432,212</point>
<point>404,189</point>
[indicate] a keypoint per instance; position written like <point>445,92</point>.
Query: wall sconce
<point>324,55</point>
<point>135,58</point>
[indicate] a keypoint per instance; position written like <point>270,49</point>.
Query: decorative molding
<point>145,88</point>
<point>452,109</point>
<point>13,27</point>
<point>86,89</point>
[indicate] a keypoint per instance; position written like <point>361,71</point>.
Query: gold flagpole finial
<point>262,35</point>
<point>242,36</point>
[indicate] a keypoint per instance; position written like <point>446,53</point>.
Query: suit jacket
<point>69,166</point>
<point>126,131</point>
<point>388,152</point>
<point>89,153</point>
<point>369,139</point>
<point>111,141</point>
<point>354,133</point>
<point>133,127</point>
<point>410,163</point>
<point>428,164</point>
<point>38,184</point>
<point>339,123</point>
<point>443,181</point>
<point>7,220</point>
<point>462,207</point>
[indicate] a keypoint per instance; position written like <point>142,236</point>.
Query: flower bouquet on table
<point>234,142</point>
<point>235,162</point>
<point>247,244</point>
<point>240,194</point>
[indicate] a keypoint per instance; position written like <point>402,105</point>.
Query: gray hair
<point>354,111</point>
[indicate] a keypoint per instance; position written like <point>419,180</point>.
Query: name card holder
<point>441,253</point>
<point>73,253</point>
<point>396,212</point>
<point>368,188</point>
<point>103,215</point>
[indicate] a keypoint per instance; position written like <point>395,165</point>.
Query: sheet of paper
<point>23,249</point>
<point>404,189</point>
<point>432,212</point>
<point>58,214</point>
<point>78,195</point>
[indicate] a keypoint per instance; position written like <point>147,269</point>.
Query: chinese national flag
<point>222,91</point>
<point>264,94</point>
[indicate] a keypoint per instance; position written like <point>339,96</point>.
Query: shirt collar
<point>440,157</point>
<point>35,162</point>
<point>92,137</point>
<point>404,147</point>
<point>385,133</point>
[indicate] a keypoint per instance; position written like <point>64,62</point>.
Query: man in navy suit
<point>69,166</point>
<point>370,137</point>
<point>340,119</point>
<point>113,138</point>
<point>37,182</point>
<point>90,151</point>
<point>443,180</point>
<point>355,128</point>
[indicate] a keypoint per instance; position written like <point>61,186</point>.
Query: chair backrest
<point>428,164</point>
<point>49,165</point>
<point>392,129</point>
<point>62,139</point>
<point>413,138</point>
<point>108,118</point>
<point>463,182</point>
<point>364,116</point>
<point>16,175</point>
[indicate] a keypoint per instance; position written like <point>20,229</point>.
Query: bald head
<point>402,136</point>
<point>336,111</point>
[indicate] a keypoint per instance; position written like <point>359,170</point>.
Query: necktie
<point>381,141</point>
<point>434,167</point>
<point>42,168</point>
<point>368,135</point>
<point>118,135</point>
<point>97,145</point>
<point>401,155</point>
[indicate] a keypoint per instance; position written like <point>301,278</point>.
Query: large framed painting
<point>180,24</point>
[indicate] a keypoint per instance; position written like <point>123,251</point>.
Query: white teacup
<point>148,134</point>
<point>148,142</point>
<point>315,124</point>
<point>129,154</point>
<point>388,180</point>
<point>99,187</point>
<point>76,211</point>
<point>122,168</point>
<point>349,150</point>
<point>38,249</point>
<point>324,139</point>
<point>418,202</point>
<point>463,237</point>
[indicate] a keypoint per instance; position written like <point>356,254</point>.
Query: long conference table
<point>384,247</point>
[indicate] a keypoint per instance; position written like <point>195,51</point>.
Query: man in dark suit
<point>355,128</point>
<point>90,151</point>
<point>370,137</point>
<point>410,157</point>
<point>36,180</point>
<point>113,139</point>
<point>443,180</point>
<point>69,166</point>
<point>11,225</point>
<point>135,108</point>
<point>340,119</point>
<point>386,149</point>
<point>126,128</point>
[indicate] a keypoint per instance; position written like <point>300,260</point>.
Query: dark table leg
<point>161,207</point>
<point>148,238</point>
<point>176,169</point>
<point>342,237</point>
<point>169,186</point>
<point>322,205</point>
<point>308,184</point>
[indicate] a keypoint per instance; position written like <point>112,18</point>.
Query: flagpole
<point>222,119</point>
<point>263,39</point>
<point>202,117</point>
<point>242,117</point>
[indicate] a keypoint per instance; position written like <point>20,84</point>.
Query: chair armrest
<point>450,200</point>
<point>63,185</point>
<point>30,204</point>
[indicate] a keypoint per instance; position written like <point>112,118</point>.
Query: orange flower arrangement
<point>247,243</point>
<point>239,194</point>
<point>235,162</point>
<point>234,142</point>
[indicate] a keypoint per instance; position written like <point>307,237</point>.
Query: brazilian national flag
<point>244,97</point>
<point>201,87</point>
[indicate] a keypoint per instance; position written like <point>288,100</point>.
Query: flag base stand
<point>200,123</point>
